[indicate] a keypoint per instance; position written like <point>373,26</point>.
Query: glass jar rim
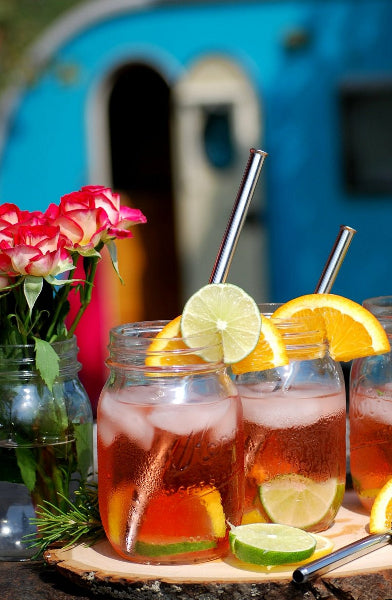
<point>379,306</point>
<point>129,347</point>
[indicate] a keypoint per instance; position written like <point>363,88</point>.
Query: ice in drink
<point>294,446</point>
<point>370,440</point>
<point>170,475</point>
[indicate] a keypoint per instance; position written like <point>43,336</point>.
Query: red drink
<point>170,476</point>
<point>370,440</point>
<point>294,447</point>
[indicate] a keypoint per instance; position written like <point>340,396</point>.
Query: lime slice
<point>296,500</point>
<point>146,549</point>
<point>221,312</point>
<point>271,544</point>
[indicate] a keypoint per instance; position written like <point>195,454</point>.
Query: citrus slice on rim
<point>225,312</point>
<point>296,500</point>
<point>381,513</point>
<point>351,330</point>
<point>271,544</point>
<point>270,351</point>
<point>168,348</point>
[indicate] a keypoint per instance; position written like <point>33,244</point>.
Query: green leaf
<point>112,248</point>
<point>32,287</point>
<point>27,466</point>
<point>46,362</point>
<point>84,442</point>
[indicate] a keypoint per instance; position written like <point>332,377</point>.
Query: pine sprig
<point>80,521</point>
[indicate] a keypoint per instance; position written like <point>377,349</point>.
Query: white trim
<point>66,26</point>
<point>77,19</point>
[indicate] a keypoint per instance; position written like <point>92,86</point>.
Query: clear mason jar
<point>170,451</point>
<point>371,413</point>
<point>295,427</point>
<point>46,445</point>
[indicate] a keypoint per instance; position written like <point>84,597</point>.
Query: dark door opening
<point>139,121</point>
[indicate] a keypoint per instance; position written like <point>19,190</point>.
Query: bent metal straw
<point>341,557</point>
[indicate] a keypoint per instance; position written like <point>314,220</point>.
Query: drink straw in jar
<point>335,260</point>
<point>148,484</point>
<point>237,217</point>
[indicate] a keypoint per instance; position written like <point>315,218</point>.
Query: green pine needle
<point>79,522</point>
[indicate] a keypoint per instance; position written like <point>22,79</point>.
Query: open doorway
<point>140,152</point>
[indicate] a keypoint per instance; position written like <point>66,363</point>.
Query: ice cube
<point>374,405</point>
<point>226,426</point>
<point>289,410</point>
<point>183,419</point>
<point>118,416</point>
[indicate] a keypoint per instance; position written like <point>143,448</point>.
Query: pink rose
<point>10,214</point>
<point>33,250</point>
<point>91,216</point>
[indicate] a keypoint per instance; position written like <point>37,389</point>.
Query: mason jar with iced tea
<point>170,450</point>
<point>371,413</point>
<point>295,429</point>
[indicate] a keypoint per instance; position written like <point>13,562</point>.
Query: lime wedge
<point>296,500</point>
<point>271,544</point>
<point>221,312</point>
<point>146,549</point>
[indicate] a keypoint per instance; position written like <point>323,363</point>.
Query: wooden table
<point>83,573</point>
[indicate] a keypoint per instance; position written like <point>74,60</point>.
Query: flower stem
<point>90,266</point>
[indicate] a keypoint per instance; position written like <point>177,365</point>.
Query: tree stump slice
<point>101,570</point>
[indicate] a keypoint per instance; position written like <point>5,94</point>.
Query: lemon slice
<point>381,513</point>
<point>223,312</point>
<point>296,500</point>
<point>271,544</point>
<point>324,546</point>
<point>351,330</point>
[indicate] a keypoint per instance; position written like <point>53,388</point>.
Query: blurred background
<point>162,100</point>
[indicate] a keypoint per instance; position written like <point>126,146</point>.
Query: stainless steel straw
<point>237,217</point>
<point>341,557</point>
<point>335,259</point>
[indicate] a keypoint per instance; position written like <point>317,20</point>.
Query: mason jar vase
<point>46,447</point>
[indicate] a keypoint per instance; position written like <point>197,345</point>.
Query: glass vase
<point>46,441</point>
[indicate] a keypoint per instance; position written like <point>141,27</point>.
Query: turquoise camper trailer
<point>162,101</point>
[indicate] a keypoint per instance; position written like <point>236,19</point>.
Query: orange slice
<point>381,513</point>
<point>168,348</point>
<point>351,330</point>
<point>270,351</point>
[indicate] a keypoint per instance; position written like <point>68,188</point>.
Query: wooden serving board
<point>105,573</point>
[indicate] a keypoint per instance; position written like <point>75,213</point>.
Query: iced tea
<point>170,462</point>
<point>293,439</point>
<point>294,427</point>
<point>370,441</point>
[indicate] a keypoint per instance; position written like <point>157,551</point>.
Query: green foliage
<point>21,23</point>
<point>46,361</point>
<point>77,521</point>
